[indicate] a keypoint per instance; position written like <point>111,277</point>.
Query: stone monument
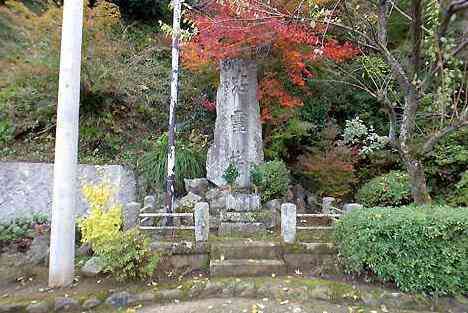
<point>238,130</point>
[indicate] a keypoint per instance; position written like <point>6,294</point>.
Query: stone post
<point>327,205</point>
<point>288,222</point>
<point>274,206</point>
<point>149,203</point>
<point>202,221</point>
<point>130,215</point>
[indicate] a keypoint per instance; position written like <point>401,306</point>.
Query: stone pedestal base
<point>241,229</point>
<point>242,215</point>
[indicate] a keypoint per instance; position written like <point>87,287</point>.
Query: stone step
<point>245,249</point>
<point>242,229</point>
<point>246,268</point>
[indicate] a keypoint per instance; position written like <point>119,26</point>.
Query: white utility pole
<point>65,191</point>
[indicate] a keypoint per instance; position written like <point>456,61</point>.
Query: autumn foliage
<point>254,29</point>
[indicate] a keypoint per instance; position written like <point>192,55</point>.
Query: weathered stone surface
<point>239,217</point>
<point>11,308</point>
<point>149,202</point>
<point>91,303</point>
<point>40,307</point>
<point>229,229</point>
<point>274,206</point>
<point>189,201</point>
<point>322,263</point>
<point>182,247</point>
<point>217,200</point>
<point>212,288</point>
<point>93,267</point>
<point>242,202</point>
<point>202,221</point>
<point>328,205</point>
<point>250,268</point>
<point>120,299</point>
<point>348,207</point>
<point>196,289</point>
<point>130,214</point>
<point>246,249</point>
<point>311,248</point>
<point>288,222</point>
<point>26,188</point>
<point>312,202</point>
<point>84,250</point>
<point>64,304</point>
<point>147,296</point>
<point>198,186</point>
<point>320,293</point>
<point>214,222</point>
<point>183,263</point>
<point>38,252</point>
<point>238,129</point>
<point>297,195</point>
<point>169,294</point>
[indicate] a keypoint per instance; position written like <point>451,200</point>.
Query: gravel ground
<point>239,305</point>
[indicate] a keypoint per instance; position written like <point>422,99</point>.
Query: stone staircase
<point>246,258</point>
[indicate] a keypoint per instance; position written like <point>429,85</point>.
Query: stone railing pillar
<point>130,215</point>
<point>288,222</point>
<point>202,221</point>
<point>328,205</point>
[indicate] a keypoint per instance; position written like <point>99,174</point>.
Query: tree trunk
<point>417,179</point>
<point>170,191</point>
<point>414,167</point>
<point>62,239</point>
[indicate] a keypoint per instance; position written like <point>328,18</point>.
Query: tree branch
<point>416,36</point>
<point>434,139</point>
<point>453,8</point>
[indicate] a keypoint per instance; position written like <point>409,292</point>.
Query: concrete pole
<point>65,192</point>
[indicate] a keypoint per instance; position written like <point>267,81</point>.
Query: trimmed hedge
<point>421,249</point>
<point>391,189</point>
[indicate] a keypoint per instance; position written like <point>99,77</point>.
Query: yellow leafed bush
<point>104,221</point>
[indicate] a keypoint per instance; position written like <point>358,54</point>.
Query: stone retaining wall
<point>26,188</point>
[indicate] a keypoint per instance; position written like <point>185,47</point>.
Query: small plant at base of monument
<point>230,175</point>
<point>271,179</point>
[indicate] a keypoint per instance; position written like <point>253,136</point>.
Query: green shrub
<point>128,256</point>
<point>190,163</point>
<point>271,178</point>
<point>459,195</point>
<point>421,249</point>
<point>230,174</point>
<point>21,227</point>
<point>391,189</point>
<point>6,131</point>
<point>446,162</point>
